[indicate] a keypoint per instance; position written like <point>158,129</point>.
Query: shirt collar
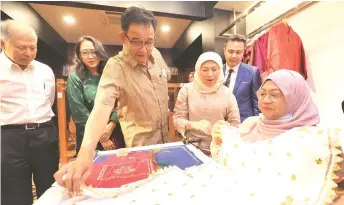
<point>131,60</point>
<point>10,64</point>
<point>235,68</point>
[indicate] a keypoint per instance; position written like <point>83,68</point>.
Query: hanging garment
<point>285,50</point>
<point>248,54</point>
<point>261,53</point>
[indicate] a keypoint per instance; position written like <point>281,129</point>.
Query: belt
<point>29,126</point>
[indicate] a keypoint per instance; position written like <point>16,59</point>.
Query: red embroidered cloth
<point>113,171</point>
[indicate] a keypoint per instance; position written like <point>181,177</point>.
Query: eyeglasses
<point>261,94</point>
<point>139,44</point>
<point>86,53</point>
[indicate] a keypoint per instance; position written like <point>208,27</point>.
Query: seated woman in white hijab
<point>283,144</point>
<point>205,101</point>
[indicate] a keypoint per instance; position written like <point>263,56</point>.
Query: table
<point>55,195</point>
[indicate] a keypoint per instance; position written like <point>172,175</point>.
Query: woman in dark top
<point>89,62</point>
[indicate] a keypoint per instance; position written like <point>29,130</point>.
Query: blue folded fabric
<point>179,156</point>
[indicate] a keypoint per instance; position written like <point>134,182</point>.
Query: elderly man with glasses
<point>29,143</point>
<point>136,78</point>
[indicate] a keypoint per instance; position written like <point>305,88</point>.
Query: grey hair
<point>5,29</point>
<point>7,25</point>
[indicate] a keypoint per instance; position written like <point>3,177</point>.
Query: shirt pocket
<point>46,86</point>
<point>42,90</point>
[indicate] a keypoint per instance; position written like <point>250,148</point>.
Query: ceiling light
<point>165,28</point>
<point>69,19</point>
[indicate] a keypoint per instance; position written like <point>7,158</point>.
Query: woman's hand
<point>216,131</point>
<point>108,145</point>
<point>107,131</point>
<point>202,125</point>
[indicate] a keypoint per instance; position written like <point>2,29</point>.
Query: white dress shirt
<point>233,76</point>
<point>26,96</point>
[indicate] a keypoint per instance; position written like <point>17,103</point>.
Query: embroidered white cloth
<point>298,166</point>
<point>295,168</point>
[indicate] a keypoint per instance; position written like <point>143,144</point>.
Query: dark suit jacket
<point>246,85</point>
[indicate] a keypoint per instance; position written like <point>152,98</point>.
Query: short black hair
<point>236,38</point>
<point>139,15</point>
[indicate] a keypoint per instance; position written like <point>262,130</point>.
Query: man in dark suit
<point>244,80</point>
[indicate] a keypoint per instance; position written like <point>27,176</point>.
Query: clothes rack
<point>249,10</point>
<point>281,17</point>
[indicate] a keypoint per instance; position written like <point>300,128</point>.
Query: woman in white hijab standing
<point>205,101</point>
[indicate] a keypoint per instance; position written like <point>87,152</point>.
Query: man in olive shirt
<point>137,78</point>
<point>141,90</point>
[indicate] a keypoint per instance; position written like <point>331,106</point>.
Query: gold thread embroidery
<point>305,129</point>
<point>293,177</point>
<point>319,161</point>
<point>339,191</point>
<point>327,170</point>
<point>288,201</point>
<point>337,131</point>
<point>225,161</point>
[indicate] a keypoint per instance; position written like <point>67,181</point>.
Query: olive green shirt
<point>142,95</point>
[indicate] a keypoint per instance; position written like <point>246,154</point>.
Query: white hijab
<point>201,59</point>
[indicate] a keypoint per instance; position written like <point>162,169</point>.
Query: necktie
<point>228,80</point>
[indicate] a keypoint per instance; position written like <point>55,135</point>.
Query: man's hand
<point>62,172</point>
<point>107,131</point>
<point>77,171</point>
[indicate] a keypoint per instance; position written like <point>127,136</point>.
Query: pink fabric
<point>299,104</point>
